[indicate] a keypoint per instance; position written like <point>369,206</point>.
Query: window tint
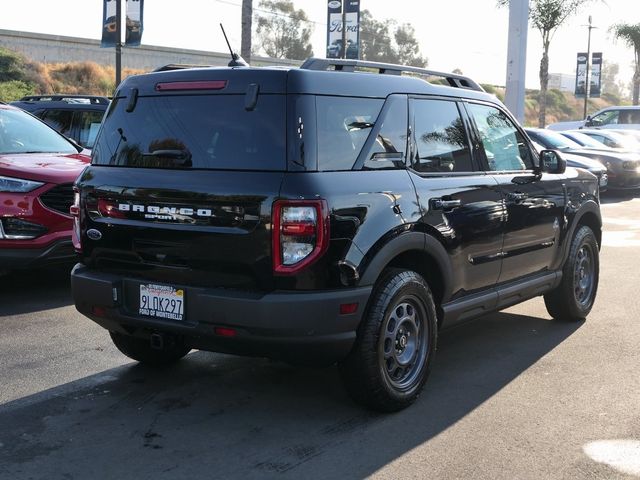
<point>440,138</point>
<point>88,124</point>
<point>389,147</point>
<point>606,118</point>
<point>504,146</point>
<point>343,127</point>
<point>627,117</point>
<point>21,133</point>
<point>59,120</point>
<point>201,131</point>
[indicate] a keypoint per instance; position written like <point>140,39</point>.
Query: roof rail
<point>454,80</point>
<point>180,66</point>
<point>92,99</point>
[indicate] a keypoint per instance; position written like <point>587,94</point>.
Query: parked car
<point>37,169</point>
<point>592,166</point>
<point>75,116</point>
<point>332,215</point>
<point>616,117</point>
<point>623,168</point>
<point>613,139</point>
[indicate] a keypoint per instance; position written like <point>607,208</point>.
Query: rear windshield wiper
<point>175,158</point>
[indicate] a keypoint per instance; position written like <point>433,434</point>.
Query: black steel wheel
<point>573,299</point>
<point>390,362</point>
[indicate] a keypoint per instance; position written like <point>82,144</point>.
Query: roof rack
<point>454,80</point>
<point>92,99</point>
<point>180,66</point>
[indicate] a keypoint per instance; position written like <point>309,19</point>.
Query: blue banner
<point>133,35</point>
<point>108,24</point>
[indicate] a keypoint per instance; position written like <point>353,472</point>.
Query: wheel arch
<point>419,252</point>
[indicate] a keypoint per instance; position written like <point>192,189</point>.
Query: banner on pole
<point>133,31</point>
<point>334,28</point>
<point>581,75</point>
<point>596,70</point>
<point>108,24</point>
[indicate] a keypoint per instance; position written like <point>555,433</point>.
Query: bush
<point>15,90</point>
<point>12,66</point>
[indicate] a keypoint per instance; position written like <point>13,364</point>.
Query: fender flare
<point>589,206</point>
<point>406,242</point>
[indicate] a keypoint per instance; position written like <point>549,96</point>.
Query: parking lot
<point>512,395</point>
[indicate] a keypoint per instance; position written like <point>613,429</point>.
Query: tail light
<point>74,211</point>
<point>300,234</point>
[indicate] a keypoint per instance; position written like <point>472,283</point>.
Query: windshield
<point>22,133</point>
<point>552,139</point>
<point>194,131</point>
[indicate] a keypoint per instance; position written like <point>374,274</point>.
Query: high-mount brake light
<point>192,85</point>
<point>74,211</point>
<point>300,234</point>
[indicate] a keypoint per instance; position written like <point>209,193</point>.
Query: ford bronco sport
<point>340,212</point>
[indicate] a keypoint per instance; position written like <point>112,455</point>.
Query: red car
<point>37,169</point>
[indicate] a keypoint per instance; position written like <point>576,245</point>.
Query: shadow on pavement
<point>35,290</point>
<point>218,416</point>
<point>616,196</point>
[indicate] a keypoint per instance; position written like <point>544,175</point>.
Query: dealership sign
<point>133,24</point>
<point>335,49</point>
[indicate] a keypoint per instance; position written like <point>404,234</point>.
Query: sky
<point>470,35</point>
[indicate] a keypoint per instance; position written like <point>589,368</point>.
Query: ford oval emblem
<point>335,4</point>
<point>94,234</point>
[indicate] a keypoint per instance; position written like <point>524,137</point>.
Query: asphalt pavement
<point>514,395</point>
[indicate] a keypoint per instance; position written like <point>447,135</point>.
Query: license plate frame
<point>161,301</point>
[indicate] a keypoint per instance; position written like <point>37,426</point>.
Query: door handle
<point>442,204</point>
<point>517,196</point>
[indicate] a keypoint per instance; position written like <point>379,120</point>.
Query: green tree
<point>12,66</point>
<point>630,34</point>
<point>546,16</point>
<point>283,31</point>
<point>408,49</point>
<point>378,45</point>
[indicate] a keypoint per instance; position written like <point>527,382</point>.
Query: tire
<point>573,299</point>
<point>140,349</point>
<point>391,359</point>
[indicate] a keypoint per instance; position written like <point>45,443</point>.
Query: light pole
<point>517,57</point>
<point>587,86</point>
<point>118,42</point>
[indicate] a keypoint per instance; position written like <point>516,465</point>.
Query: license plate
<point>603,181</point>
<point>161,301</point>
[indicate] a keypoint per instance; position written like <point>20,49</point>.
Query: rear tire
<point>573,299</point>
<point>140,349</point>
<point>396,343</point>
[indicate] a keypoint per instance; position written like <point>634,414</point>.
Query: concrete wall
<point>57,48</point>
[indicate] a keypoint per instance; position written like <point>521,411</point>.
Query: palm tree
<point>547,16</point>
<point>630,34</point>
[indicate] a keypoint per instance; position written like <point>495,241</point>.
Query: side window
<point>609,117</point>
<point>88,123</point>
<point>441,143</point>
<point>344,123</point>
<point>59,120</point>
<point>628,117</point>
<point>504,146</point>
<point>389,146</point>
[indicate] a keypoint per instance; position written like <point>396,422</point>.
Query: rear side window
<point>88,123</point>
<point>441,143</point>
<point>198,131</point>
<point>344,124</point>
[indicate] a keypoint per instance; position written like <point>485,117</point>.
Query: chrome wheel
<point>404,343</point>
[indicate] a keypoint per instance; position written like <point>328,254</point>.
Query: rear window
<point>197,131</point>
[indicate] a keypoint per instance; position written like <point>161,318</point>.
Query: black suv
<point>339,212</point>
<point>77,117</point>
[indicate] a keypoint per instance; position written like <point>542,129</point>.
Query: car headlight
<point>18,185</point>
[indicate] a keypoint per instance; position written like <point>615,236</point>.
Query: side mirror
<point>551,162</point>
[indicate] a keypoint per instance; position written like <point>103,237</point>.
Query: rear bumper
<point>304,327</point>
<point>58,252</point>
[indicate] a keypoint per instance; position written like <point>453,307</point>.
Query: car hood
<point>602,155</point>
<point>583,162</point>
<point>43,167</point>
